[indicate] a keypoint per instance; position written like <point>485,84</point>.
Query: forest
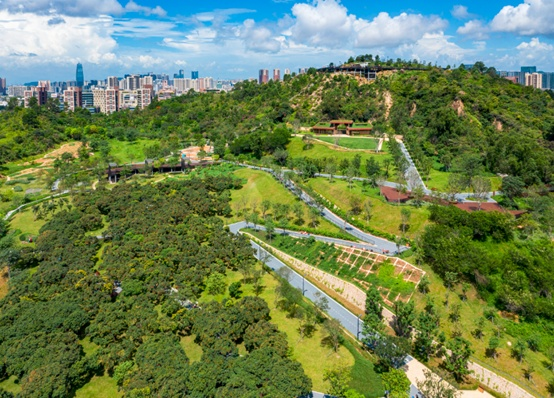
<point>129,293</point>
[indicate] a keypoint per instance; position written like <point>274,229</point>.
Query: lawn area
<point>319,151</point>
<point>261,185</point>
<point>385,217</point>
<point>26,223</point>
<point>11,385</point>
<point>352,142</point>
<point>99,387</point>
<point>314,357</point>
<point>193,350</point>
<point>128,152</point>
<point>471,310</point>
<point>438,180</point>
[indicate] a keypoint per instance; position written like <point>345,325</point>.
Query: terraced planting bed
<point>395,278</point>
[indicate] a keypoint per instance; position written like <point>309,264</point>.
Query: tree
<point>269,228</point>
<point>494,343</point>
<point>373,170</point>
<point>478,332</point>
<point>298,211</point>
<point>405,215</point>
<point>356,164</point>
<point>455,313</point>
<point>481,188</point>
<point>512,187</point>
<point>392,351</point>
<point>215,284</point>
<point>264,207</point>
<point>321,304</point>
<point>396,383</point>
<point>374,303</point>
<point>367,209</point>
<point>235,290</point>
<point>355,205</point>
<point>456,184</point>
<point>331,169</point>
<point>433,386</point>
<point>519,350</point>
<point>338,379</point>
<point>404,319</point>
<point>424,284</point>
<point>428,323</point>
<point>314,216</point>
<point>550,358</point>
<point>333,335</point>
<point>457,358</point>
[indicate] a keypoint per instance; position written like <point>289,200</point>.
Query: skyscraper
<point>263,76</point>
<point>3,85</point>
<point>276,75</point>
<point>80,77</point>
<point>194,74</point>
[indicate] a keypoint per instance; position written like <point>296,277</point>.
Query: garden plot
<point>368,265</point>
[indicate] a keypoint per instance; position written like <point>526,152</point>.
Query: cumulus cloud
<point>78,7</point>
<point>532,17</point>
<point>325,23</point>
<point>535,51</point>
<point>460,12</point>
<point>85,39</point>
<point>436,47</point>
<point>258,38</point>
<point>385,30</point>
<point>474,29</point>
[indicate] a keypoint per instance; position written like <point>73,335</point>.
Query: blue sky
<point>44,39</point>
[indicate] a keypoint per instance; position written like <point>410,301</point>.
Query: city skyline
<point>45,40</point>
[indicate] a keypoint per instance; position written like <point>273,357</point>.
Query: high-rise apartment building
<point>533,80</point>
<point>3,86</point>
<point>287,71</point>
<point>73,98</point>
<point>144,97</point>
<point>80,76</point>
<point>276,75</point>
<point>17,91</point>
<point>87,101</point>
<point>194,74</point>
<point>132,82</point>
<point>263,76</point>
<point>113,82</point>
<point>40,93</point>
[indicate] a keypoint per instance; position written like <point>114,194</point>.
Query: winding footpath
<point>354,325</point>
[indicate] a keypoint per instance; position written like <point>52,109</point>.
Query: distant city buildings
<point>3,86</point>
<point>263,76</point>
<point>529,76</point>
<point>276,75</point>
<point>194,75</point>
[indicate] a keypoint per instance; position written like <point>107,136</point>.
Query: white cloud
<point>535,51</point>
<point>78,7</point>
<point>143,28</point>
<point>460,12</point>
<point>385,30</point>
<point>326,23</point>
<point>474,29</point>
<point>78,38</point>
<point>134,7</point>
<point>434,47</point>
<point>258,38</point>
<point>532,17</point>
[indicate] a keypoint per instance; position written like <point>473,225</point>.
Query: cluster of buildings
<point>134,91</point>
<point>263,74</point>
<point>529,76</point>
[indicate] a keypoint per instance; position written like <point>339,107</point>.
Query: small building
<point>393,195</point>
<point>342,126</point>
<point>470,207</point>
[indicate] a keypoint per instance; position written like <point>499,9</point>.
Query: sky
<point>44,39</point>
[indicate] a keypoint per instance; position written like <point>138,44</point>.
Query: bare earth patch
<point>48,159</point>
<point>3,282</point>
<point>192,152</point>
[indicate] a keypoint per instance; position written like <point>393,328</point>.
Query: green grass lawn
<point>99,387</point>
<point>128,152</point>
<point>438,180</point>
<point>11,385</point>
<point>352,142</point>
<point>26,223</point>
<point>261,185</point>
<point>385,217</point>
<point>319,151</point>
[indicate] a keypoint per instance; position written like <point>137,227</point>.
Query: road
<point>381,245</point>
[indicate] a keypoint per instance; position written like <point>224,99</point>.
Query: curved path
<point>381,245</point>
